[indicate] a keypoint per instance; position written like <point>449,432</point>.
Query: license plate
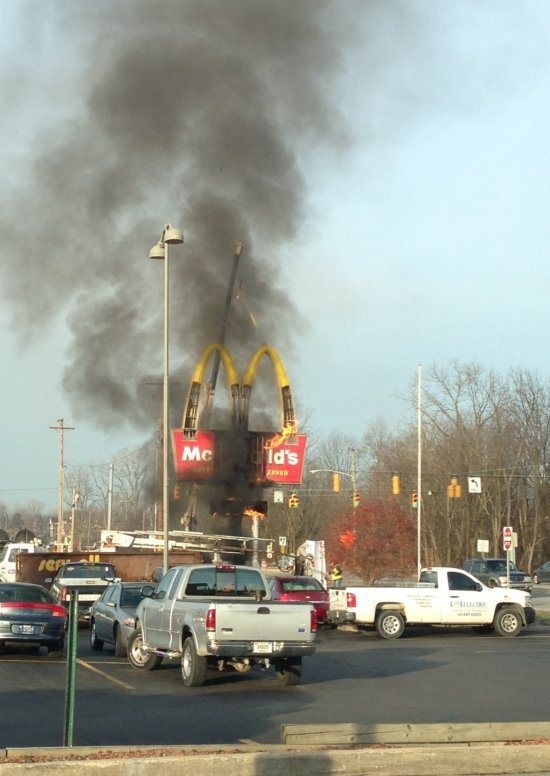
<point>262,647</point>
<point>28,630</point>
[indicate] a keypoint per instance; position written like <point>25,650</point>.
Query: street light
<point>169,236</point>
<point>352,477</point>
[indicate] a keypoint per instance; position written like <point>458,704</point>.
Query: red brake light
<point>313,615</point>
<point>351,600</point>
<point>63,593</point>
<point>211,619</point>
<point>54,609</point>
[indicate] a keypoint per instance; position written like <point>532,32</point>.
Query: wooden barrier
<point>387,733</point>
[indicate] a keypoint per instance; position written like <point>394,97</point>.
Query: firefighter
<point>335,574</point>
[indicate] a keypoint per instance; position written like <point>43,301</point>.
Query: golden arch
<point>239,392</point>
<point>192,405</point>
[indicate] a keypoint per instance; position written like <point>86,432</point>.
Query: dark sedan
<point>542,573</point>
<point>301,590</point>
<point>29,615</point>
<point>112,615</point>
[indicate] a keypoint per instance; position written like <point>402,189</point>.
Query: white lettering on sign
<point>282,457</point>
<point>195,454</point>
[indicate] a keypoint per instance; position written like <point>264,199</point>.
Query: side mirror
<point>147,591</point>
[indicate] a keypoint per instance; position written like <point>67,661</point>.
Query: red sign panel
<point>284,463</point>
<point>193,457</point>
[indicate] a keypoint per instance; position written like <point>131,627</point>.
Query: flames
<point>288,431</point>
<point>249,512</point>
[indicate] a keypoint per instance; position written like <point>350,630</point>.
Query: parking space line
<point>109,678</point>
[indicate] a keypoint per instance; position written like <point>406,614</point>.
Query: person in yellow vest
<point>335,574</point>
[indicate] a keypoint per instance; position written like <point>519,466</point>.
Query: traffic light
<point>454,490</point>
<point>355,498</point>
<point>336,482</point>
<point>294,501</point>
<point>395,487</point>
<point>414,499</point>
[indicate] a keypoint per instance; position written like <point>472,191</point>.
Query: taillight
<point>351,601</point>
<point>313,615</point>
<point>64,594</point>
<point>59,611</point>
<point>211,619</point>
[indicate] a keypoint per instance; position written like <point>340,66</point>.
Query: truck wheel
<point>288,672</point>
<point>507,622</point>
<point>193,666</point>
<point>120,647</point>
<point>137,658</point>
<point>390,624</point>
<point>95,643</point>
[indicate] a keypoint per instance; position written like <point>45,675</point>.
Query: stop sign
<point>507,537</point>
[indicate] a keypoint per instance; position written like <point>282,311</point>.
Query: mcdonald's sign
<point>267,457</point>
<point>193,458</point>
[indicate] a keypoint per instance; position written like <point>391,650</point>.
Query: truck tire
<point>390,624</point>
<point>288,672</point>
<point>120,647</point>
<point>508,621</point>
<point>193,666</point>
<point>95,643</point>
<point>137,658</point>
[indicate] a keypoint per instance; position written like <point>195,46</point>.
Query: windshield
<point>88,571</point>
<point>500,565</point>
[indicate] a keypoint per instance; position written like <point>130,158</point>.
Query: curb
<point>498,759</point>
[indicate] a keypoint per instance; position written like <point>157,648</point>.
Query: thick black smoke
<point>192,112</point>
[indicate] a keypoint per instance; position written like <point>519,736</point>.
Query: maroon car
<point>301,590</point>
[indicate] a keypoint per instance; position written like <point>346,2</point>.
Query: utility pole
<point>61,427</point>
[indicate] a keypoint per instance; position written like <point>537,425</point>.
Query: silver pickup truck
<point>215,616</point>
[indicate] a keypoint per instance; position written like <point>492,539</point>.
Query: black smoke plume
<point>193,112</point>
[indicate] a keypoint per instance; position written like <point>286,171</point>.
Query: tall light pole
<point>61,427</point>
<point>169,236</point>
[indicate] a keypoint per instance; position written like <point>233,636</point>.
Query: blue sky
<point>423,237</point>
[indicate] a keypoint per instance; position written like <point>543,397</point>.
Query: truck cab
<point>8,558</point>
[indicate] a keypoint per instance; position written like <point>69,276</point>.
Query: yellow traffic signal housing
<point>414,499</point>
<point>356,498</point>
<point>395,486</point>
<point>336,482</point>
<point>294,501</point>
<point>454,490</point>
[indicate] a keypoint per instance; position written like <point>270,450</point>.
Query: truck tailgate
<point>267,620</point>
<point>338,599</point>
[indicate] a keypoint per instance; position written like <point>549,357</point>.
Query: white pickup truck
<point>442,596</point>
<point>221,617</point>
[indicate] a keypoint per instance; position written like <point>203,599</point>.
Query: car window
<point>301,584</point>
<point>496,565</point>
<point>130,597</point>
<point>227,581</point>
<point>88,571</point>
<point>164,586</point>
<point>110,594</point>
<point>458,581</point>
